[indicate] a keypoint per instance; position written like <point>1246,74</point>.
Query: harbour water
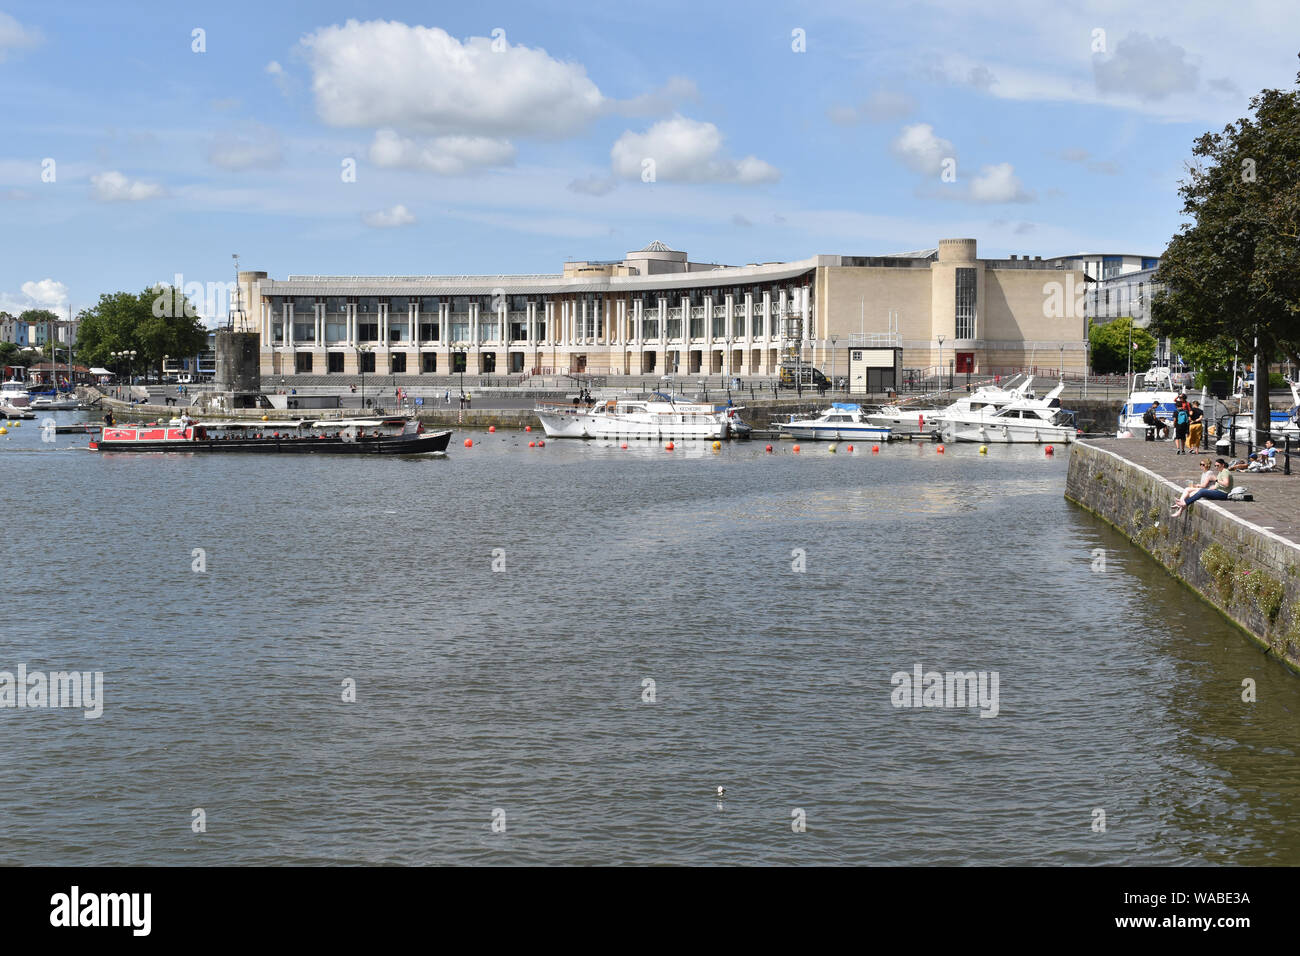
<point>523,690</point>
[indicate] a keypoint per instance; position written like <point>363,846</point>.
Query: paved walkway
<point>1276,506</point>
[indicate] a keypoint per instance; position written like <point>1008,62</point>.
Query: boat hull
<point>1010,434</point>
<point>837,432</point>
<point>559,425</point>
<point>385,445</point>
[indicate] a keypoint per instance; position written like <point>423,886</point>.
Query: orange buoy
<point>939,449</point>
<point>469,442</point>
<point>668,447</point>
<point>528,428</point>
<point>1048,450</point>
<point>624,446</point>
<point>540,443</point>
<point>796,449</point>
<point>769,449</point>
<point>850,448</point>
<point>532,444</point>
<point>875,449</point>
<point>492,428</point>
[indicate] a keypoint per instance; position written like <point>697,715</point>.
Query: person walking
<point>1182,421</point>
<point>1195,425</point>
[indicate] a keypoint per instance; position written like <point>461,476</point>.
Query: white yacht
<point>1028,421</point>
<point>841,422</point>
<point>903,420</point>
<point>1154,387</point>
<point>636,418</point>
<point>1282,424</point>
<point>14,394</point>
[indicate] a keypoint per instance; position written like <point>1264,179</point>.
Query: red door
<point>965,361</point>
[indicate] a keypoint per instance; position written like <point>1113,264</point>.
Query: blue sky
<point>502,137</point>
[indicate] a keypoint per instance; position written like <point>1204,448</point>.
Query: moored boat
<point>842,421</point>
<point>1028,421</point>
<point>379,436</point>
<point>636,418</point>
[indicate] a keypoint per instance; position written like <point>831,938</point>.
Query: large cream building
<point>655,312</point>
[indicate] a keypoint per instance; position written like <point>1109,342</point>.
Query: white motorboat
<point>14,394</point>
<point>636,418</point>
<point>902,420</point>
<point>841,422</point>
<point>54,404</point>
<point>1153,388</point>
<point>1282,424</point>
<point>1028,421</point>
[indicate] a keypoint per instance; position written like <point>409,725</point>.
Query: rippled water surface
<point>523,690</point>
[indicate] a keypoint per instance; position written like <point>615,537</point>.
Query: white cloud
<point>1150,68</point>
<point>998,183</point>
<point>15,36</point>
<point>686,150</point>
<point>112,186</point>
<point>657,102</point>
<point>920,149</point>
<point>398,215</point>
<point>444,155</point>
<point>256,147</point>
<point>382,73</point>
<point>879,107</point>
<point>593,185</point>
<point>278,75</point>
<point>43,294</point>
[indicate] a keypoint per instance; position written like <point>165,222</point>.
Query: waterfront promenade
<point>1241,556</point>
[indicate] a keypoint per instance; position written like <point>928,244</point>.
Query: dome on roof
<point>656,246</point>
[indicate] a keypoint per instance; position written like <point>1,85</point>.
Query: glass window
<point>429,362</point>
<point>367,331</point>
<point>336,331</point>
<point>965,304</point>
<point>429,331</point>
<point>335,362</point>
<point>397,362</point>
<point>302,363</point>
<point>368,305</point>
<point>304,305</point>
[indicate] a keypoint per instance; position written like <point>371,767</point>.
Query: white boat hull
<point>1027,434</point>
<point>838,432</point>
<point>682,426</point>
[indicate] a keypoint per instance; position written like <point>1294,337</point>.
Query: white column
<point>288,325</point>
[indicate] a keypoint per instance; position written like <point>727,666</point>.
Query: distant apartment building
<point>1123,285</point>
<point>656,312</point>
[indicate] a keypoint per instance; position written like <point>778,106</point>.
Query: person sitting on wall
<point>1218,492</point>
<point>1207,479</point>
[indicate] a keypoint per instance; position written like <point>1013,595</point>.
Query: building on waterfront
<point>655,312</point>
<point>1118,285</point>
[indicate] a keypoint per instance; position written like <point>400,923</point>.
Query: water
<point>522,691</point>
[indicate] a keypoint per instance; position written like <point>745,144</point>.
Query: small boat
<point>9,411</point>
<point>986,399</point>
<point>362,436</point>
<point>13,393</point>
<point>638,418</point>
<point>840,422</point>
<point>1153,388</point>
<point>54,404</point>
<point>1028,421</point>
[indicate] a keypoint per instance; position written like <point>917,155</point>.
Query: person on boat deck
<point>1218,492</point>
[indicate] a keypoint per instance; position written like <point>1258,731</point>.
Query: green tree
<point>1230,274</point>
<point>1110,346</point>
<point>12,354</point>
<point>156,322</point>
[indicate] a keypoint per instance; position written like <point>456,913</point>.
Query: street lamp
<point>461,349</point>
<point>833,338</point>
<point>941,362</point>
<point>1060,368</point>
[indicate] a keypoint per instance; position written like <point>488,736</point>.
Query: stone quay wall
<point>1248,572</point>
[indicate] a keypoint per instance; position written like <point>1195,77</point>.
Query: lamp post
<point>362,351</point>
<point>1060,367</point>
<point>461,349</point>
<point>833,383</point>
<point>941,338</point>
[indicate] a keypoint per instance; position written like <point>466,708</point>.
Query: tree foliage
<point>1110,346</point>
<point>156,322</point>
<point>1232,270</point>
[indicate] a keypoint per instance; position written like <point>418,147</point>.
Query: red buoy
<point>541,443</point>
<point>850,448</point>
<point>875,449</point>
<point>528,428</point>
<point>532,444</point>
<point>1048,450</point>
<point>492,428</point>
<point>624,445</point>
<point>769,449</point>
<point>939,449</point>
<point>469,442</point>
<point>668,447</point>
<point>796,449</point>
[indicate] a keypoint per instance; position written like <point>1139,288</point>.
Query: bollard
<point>1286,455</point>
